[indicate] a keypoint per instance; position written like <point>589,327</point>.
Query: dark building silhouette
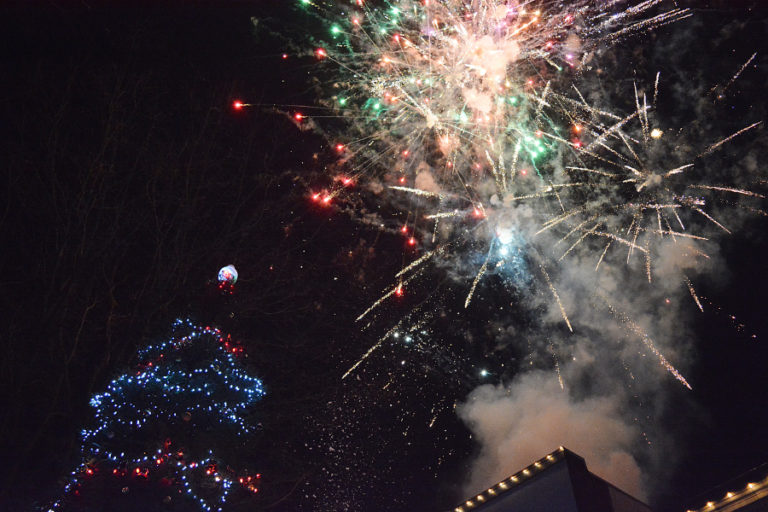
<point>558,482</point>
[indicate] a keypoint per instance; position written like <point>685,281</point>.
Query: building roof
<point>558,481</point>
<point>739,492</point>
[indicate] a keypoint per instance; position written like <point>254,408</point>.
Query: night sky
<point>129,180</point>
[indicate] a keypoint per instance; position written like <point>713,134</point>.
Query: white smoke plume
<point>532,417</point>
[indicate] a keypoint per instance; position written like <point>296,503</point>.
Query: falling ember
<point>416,264</point>
<point>557,366</point>
<point>693,293</point>
<point>718,144</point>
<point>477,279</point>
<point>370,351</point>
<point>647,341</point>
<point>556,296</point>
<point>396,291</point>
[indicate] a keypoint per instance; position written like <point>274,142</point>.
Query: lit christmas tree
<point>166,434</point>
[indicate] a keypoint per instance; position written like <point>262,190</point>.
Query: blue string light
<point>191,381</point>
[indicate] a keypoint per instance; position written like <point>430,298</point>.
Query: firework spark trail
<point>672,233</point>
<point>444,215</point>
<point>595,171</point>
<point>655,22</point>
<point>557,365</point>
<point>615,129</point>
<point>556,296</point>
<point>479,276</point>
<point>561,218</point>
<point>711,219</point>
<point>647,341</point>
<point>634,239</point>
<point>602,256</point>
<point>396,290</point>
<point>416,191</point>
<point>728,189</point>
<point>369,352</point>
<point>580,239</point>
<point>577,228</point>
<point>719,144</point>
<point>643,113</point>
<point>735,76</point>
<point>648,258</point>
<point>693,292</point>
<point>678,170</point>
<point>418,262</point>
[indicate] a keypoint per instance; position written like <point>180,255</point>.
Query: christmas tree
<point>166,433</point>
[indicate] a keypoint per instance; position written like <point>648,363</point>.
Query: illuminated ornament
<point>228,275</point>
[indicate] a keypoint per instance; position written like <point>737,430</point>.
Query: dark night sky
<point>129,180</point>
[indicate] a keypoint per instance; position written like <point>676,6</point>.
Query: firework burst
<point>470,115</point>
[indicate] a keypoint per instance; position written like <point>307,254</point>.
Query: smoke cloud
<point>532,417</point>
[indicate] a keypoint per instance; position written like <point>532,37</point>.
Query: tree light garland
<point>187,387</point>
